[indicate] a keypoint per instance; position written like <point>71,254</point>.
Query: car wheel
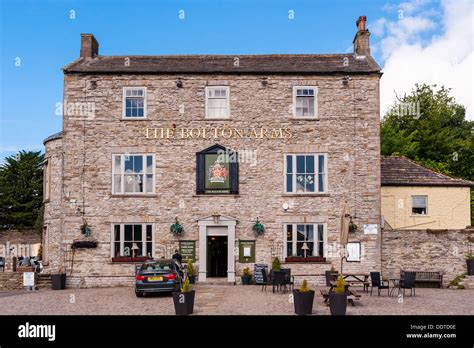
<point>139,293</point>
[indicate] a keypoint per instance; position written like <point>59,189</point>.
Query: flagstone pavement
<point>225,300</point>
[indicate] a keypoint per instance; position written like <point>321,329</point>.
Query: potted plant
<point>58,280</point>
<point>184,299</point>
<point>303,299</point>
<point>470,264</point>
<point>191,272</point>
<point>338,297</point>
<point>246,276</point>
<point>176,228</point>
<point>258,227</point>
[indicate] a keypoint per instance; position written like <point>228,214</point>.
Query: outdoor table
<point>395,284</point>
<point>360,277</point>
<point>333,285</point>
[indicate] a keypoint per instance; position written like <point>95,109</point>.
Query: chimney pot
<point>89,46</point>
<point>361,23</point>
<point>361,39</point>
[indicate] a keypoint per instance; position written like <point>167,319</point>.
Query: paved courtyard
<point>223,299</point>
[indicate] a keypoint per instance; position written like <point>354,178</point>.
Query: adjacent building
<point>415,197</point>
<point>214,144</point>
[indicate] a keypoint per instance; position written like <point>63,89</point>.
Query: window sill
<point>305,195</point>
<point>121,195</point>
<point>236,195</point>
<point>126,259</point>
<point>217,119</point>
<point>133,119</point>
<point>305,118</point>
<point>418,215</point>
<point>297,259</point>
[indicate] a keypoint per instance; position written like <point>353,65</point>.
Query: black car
<point>164,275</point>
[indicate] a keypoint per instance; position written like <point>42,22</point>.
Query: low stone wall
<point>19,237</point>
<point>425,250</point>
<point>11,281</point>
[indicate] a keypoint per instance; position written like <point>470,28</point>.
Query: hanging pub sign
<point>187,249</point>
<point>217,170</point>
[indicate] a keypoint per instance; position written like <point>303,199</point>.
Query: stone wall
<point>347,130</point>
<point>22,240</point>
<point>425,250</point>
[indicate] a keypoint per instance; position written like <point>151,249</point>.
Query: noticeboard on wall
<point>246,251</point>
<point>187,249</point>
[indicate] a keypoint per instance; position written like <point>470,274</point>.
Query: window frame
<point>206,89</point>
<point>122,174</point>
<point>316,174</point>
<point>316,111</point>
<point>122,238</point>
<point>295,241</point>
<point>124,104</point>
<point>46,180</point>
<point>412,205</point>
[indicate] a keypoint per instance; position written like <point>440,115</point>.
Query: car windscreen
<point>157,267</point>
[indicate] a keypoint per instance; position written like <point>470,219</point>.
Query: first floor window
<point>133,240</point>
<point>305,102</point>
<point>217,102</point>
<point>133,174</point>
<point>134,102</point>
<point>419,205</point>
<point>305,173</point>
<point>305,240</point>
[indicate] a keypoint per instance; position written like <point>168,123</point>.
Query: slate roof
<point>247,64</point>
<point>55,136</point>
<point>401,171</point>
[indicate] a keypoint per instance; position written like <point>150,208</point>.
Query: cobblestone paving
<point>223,299</point>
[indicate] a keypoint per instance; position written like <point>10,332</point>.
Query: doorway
<point>217,256</point>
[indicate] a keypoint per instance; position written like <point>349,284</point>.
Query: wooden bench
<point>428,277</point>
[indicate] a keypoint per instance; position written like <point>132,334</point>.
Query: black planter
<point>303,302</point>
<point>246,280</point>
<point>58,281</point>
<point>338,303</point>
<point>192,279</point>
<point>470,267</point>
<point>183,302</point>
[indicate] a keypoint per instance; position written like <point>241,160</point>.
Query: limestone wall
<point>425,250</point>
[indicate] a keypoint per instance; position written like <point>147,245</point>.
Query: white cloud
<point>415,51</point>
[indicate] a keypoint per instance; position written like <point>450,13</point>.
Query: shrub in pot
<point>303,299</point>
<point>191,272</point>
<point>246,276</point>
<point>338,297</point>
<point>184,300</point>
<point>470,264</point>
<point>58,280</point>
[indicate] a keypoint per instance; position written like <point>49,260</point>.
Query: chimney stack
<point>89,46</point>
<point>361,39</point>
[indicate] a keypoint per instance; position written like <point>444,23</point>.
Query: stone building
<point>215,143</point>
<point>415,197</point>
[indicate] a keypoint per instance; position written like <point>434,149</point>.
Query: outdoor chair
<point>265,279</point>
<point>377,282</point>
<point>289,279</point>
<point>330,277</point>
<point>278,280</point>
<point>2,263</point>
<point>408,282</point>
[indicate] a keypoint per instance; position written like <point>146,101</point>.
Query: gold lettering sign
<point>219,133</point>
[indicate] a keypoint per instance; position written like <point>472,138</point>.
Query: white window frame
<point>316,173</point>
<point>124,98</point>
<point>122,173</point>
<point>426,205</point>
<point>294,238</point>
<point>227,88</point>
<point>309,117</point>
<point>122,237</point>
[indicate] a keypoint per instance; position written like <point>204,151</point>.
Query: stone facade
<point>347,130</point>
<point>425,250</point>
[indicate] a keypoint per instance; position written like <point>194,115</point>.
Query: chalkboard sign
<point>187,249</point>
<point>258,272</point>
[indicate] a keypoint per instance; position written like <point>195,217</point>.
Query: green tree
<point>430,127</point>
<point>21,190</point>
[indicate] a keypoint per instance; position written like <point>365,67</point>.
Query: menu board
<point>258,272</point>
<point>187,249</point>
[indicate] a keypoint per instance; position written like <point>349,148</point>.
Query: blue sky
<point>39,37</point>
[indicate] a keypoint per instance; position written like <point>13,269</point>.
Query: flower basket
<point>258,227</point>
<point>176,228</point>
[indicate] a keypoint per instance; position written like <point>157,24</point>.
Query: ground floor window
<point>304,240</point>
<point>133,240</point>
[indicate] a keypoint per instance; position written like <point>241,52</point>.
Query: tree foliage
<point>21,190</point>
<point>430,127</point>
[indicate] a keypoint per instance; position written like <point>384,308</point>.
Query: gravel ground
<point>223,299</point>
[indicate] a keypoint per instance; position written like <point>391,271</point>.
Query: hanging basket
<point>352,226</point>
<point>258,227</point>
<point>176,228</point>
